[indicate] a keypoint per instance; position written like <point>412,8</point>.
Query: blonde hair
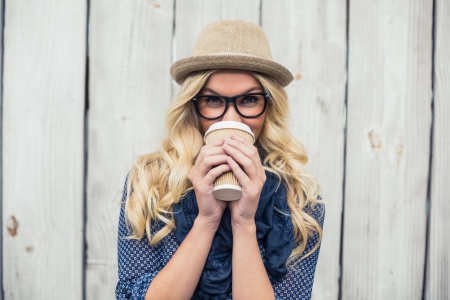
<point>160,179</point>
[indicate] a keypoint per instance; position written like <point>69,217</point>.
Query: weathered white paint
<point>130,89</point>
<point>309,38</point>
<point>131,50</point>
<point>43,117</point>
<point>438,271</point>
<point>1,147</point>
<point>389,119</point>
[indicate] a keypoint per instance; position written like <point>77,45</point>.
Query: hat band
<point>233,54</point>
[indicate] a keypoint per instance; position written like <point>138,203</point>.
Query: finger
<point>210,149</point>
<point>214,148</point>
<point>249,165</point>
<point>241,139</point>
<point>208,153</point>
<point>214,143</point>
<point>245,147</point>
<point>215,172</point>
<point>210,162</point>
<point>241,176</point>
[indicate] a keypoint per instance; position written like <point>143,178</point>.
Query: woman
<point>176,241</point>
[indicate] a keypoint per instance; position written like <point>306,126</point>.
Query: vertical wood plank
<point>1,144</point>
<point>130,89</point>
<point>309,38</point>
<point>389,119</point>
<point>438,271</point>
<point>43,117</point>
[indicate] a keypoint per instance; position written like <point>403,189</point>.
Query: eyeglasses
<point>213,107</point>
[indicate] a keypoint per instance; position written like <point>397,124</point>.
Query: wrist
<point>207,224</point>
<point>244,227</point>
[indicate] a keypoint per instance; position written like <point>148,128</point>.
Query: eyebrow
<point>207,89</point>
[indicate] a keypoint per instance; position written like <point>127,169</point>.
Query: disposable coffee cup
<point>226,186</point>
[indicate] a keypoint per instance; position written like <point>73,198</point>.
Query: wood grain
<point>309,38</point>
<point>130,89</point>
<point>131,47</point>
<point>389,119</point>
<point>1,147</point>
<point>438,271</point>
<point>43,120</point>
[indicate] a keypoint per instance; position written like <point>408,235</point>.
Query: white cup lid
<point>230,124</point>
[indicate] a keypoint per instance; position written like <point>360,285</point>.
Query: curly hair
<point>160,179</point>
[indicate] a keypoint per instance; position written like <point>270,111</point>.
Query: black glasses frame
<point>231,100</point>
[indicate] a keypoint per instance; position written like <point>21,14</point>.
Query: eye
<point>213,100</point>
<point>249,99</point>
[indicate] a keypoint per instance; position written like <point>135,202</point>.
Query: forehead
<point>231,81</point>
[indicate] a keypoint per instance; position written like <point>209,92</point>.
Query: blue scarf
<point>273,231</point>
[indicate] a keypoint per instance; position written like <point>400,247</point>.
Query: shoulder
<point>316,210</point>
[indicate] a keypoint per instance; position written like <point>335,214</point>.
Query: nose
<point>231,114</point>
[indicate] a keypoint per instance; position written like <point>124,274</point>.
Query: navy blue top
<point>139,262</point>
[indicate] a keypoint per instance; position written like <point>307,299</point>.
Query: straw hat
<point>231,45</point>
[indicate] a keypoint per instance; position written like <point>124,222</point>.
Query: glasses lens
<point>211,106</point>
<point>250,105</point>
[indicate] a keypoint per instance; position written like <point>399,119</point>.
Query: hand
<point>211,162</point>
<point>252,179</point>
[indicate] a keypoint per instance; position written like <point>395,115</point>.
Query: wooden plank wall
<point>309,38</point>
<point>129,89</point>
<point>370,101</point>
<point>43,140</point>
<point>1,145</point>
<point>438,266</point>
<point>388,144</point>
<point>332,126</point>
